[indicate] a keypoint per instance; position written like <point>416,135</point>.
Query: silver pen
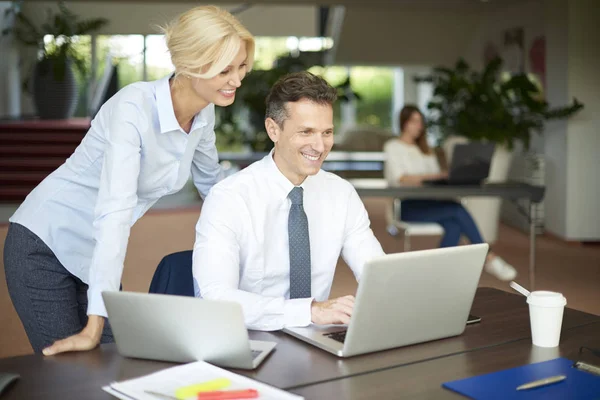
<point>542,382</point>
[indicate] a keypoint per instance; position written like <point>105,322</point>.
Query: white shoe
<point>500,269</point>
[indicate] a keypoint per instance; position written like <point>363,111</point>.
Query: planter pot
<point>485,210</point>
<point>54,96</point>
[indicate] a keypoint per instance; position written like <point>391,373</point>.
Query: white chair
<point>408,229</point>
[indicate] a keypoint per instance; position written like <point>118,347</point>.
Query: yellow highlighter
<point>191,391</point>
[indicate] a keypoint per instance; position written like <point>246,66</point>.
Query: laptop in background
<point>403,299</point>
<point>470,164</point>
<point>182,329</point>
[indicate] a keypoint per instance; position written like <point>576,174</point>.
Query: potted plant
<point>54,85</point>
<point>244,121</point>
<point>491,106</point>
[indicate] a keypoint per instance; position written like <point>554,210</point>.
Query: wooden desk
<point>293,364</point>
<point>424,380</point>
<point>505,318</point>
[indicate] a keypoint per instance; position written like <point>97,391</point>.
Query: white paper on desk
<point>168,380</point>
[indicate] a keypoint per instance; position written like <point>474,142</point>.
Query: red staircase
<point>30,150</point>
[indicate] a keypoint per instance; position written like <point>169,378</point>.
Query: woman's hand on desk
<point>85,340</point>
<point>334,311</point>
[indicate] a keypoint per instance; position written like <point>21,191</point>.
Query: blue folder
<point>503,384</point>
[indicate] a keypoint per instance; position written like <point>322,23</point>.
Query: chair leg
<point>406,242</point>
<point>392,230</point>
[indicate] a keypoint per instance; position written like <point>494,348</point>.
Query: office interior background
<point>374,49</point>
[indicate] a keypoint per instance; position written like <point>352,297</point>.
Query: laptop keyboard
<point>256,353</point>
<point>339,336</point>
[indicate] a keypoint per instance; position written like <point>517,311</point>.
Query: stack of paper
<point>167,384</point>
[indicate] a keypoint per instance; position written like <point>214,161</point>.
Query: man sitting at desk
<point>269,237</point>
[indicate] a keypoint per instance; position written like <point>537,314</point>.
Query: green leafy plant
<point>243,121</point>
<point>484,106</point>
<point>63,27</point>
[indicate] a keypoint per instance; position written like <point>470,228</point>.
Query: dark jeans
<point>51,302</point>
<point>452,216</point>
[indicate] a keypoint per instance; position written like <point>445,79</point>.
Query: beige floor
<point>571,269</point>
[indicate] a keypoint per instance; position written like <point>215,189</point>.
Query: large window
<point>158,60</point>
<point>375,86</point>
<point>127,52</point>
<point>137,57</point>
<point>140,57</point>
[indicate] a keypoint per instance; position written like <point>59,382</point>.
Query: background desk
<point>293,365</point>
<point>510,191</point>
<point>349,156</point>
<point>347,164</point>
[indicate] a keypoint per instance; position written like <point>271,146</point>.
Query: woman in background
<point>66,243</point>
<point>410,161</point>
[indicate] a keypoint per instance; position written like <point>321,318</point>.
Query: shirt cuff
<point>96,303</point>
<point>296,312</point>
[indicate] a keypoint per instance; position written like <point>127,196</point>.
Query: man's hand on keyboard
<point>334,311</point>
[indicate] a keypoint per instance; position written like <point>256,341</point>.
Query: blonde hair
<point>204,41</point>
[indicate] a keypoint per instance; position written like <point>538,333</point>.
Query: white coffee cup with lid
<point>545,315</point>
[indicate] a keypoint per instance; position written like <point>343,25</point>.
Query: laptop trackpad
<point>318,336</point>
<point>316,332</point>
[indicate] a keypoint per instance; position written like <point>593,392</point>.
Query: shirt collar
<point>282,183</point>
<point>166,114</point>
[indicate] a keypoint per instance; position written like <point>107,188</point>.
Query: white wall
<point>404,36</point>
<point>142,17</point>
<point>555,139</point>
<point>583,131</point>
<point>571,147</point>
<point>528,14</point>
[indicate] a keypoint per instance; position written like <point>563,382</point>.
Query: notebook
<point>502,384</point>
<point>169,383</point>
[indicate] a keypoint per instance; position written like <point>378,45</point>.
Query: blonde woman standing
<point>66,243</point>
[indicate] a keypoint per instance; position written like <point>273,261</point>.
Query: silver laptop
<point>182,329</point>
<point>403,299</point>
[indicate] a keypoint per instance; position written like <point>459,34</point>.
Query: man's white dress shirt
<point>241,252</point>
<point>134,153</point>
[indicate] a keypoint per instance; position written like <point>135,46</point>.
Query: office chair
<point>174,275</point>
<point>408,229</point>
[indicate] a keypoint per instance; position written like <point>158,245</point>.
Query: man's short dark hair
<point>295,87</point>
